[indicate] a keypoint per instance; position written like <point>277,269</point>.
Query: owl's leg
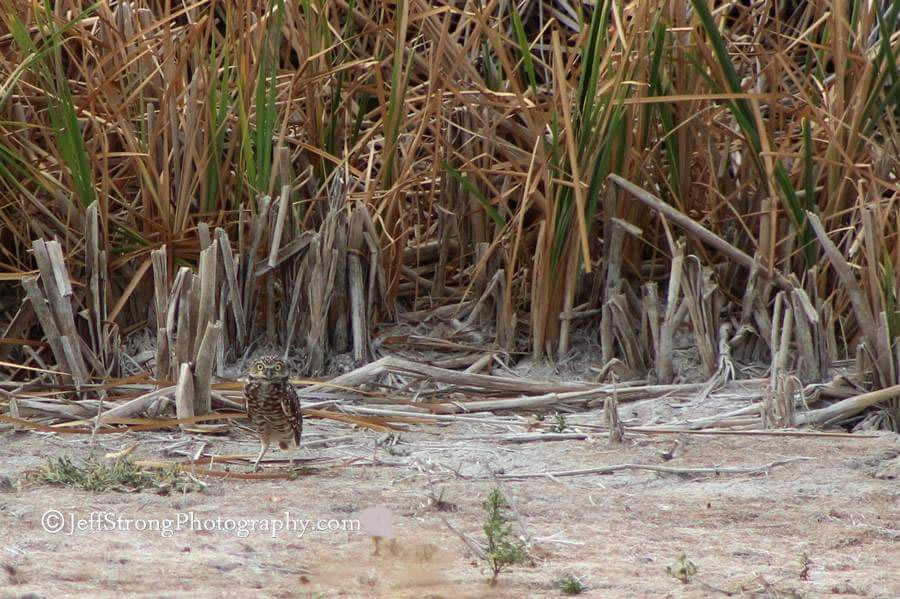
<point>263,446</point>
<point>285,445</point>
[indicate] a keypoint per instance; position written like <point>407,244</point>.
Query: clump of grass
<point>683,569</point>
<point>559,423</point>
<point>121,475</point>
<point>502,549</point>
<point>571,585</point>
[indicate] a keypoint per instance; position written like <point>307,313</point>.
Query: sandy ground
<point>617,532</point>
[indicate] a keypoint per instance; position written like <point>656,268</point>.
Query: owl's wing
<point>250,393</point>
<point>290,406</point>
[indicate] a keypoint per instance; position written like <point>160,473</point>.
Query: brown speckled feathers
<point>273,405</point>
<point>274,409</point>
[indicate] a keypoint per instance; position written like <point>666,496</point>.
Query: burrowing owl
<point>273,405</point>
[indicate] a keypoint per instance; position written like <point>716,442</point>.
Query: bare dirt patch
<point>617,533</point>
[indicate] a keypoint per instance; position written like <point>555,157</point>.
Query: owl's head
<point>269,368</point>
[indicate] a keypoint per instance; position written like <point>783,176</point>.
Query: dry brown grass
<point>460,151</point>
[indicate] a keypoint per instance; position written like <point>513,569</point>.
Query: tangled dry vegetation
<point>424,194</point>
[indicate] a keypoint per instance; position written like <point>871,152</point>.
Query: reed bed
<point>182,184</point>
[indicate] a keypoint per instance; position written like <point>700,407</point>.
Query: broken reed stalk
<point>161,302</point>
<point>184,393</point>
<point>235,304</point>
<point>695,228</point>
<point>187,332</point>
<point>57,291</point>
<point>203,369</point>
<point>206,303</point>
<point>358,307</point>
<point>664,366</point>
<point>258,225</point>
<point>611,416</point>
<point>321,265</point>
<point>811,365</point>
<point>41,309</point>
<point>96,272</point>
<point>778,409</point>
<point>613,282</point>
<point>700,297</point>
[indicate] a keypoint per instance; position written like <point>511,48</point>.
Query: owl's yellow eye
<point>278,367</point>
<point>258,367</point>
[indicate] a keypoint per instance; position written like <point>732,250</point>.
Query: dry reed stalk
<point>96,268</point>
<point>538,299</point>
<point>42,311</point>
<point>161,302</point>
<point>611,417</point>
<point>206,299</point>
<point>864,315</point>
<point>624,331</point>
<point>755,314</point>
<point>359,308</point>
<point>58,293</point>
<point>848,407</point>
<point>17,328</point>
<point>713,471</point>
<point>177,320</point>
<point>203,368</point>
<point>810,364</point>
<point>339,310</point>
<point>321,264</point>
<point>542,437</point>
<point>688,224</point>
<point>613,267</point>
<point>701,297</point>
<point>650,325</point>
<point>258,224</point>
<point>505,109</point>
<point>671,319</point>
<point>185,399</point>
<point>239,319</point>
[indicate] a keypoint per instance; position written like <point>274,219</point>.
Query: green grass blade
<point>472,189</point>
<point>524,48</point>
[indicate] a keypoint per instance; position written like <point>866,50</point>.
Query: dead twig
<point>664,469</point>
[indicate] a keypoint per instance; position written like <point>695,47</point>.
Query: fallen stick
<point>20,423</point>
<point>426,416</point>
<point>56,408</point>
<point>848,407</point>
<point>191,468</point>
<point>485,381</point>
<point>131,408</point>
<point>531,437</point>
<point>649,430</point>
<point>710,421</point>
<point>652,468</point>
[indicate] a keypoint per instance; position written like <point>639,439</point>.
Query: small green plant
<point>121,475</point>
<point>571,585</point>
<point>559,423</point>
<point>805,563</point>
<point>502,548</point>
<point>683,569</point>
